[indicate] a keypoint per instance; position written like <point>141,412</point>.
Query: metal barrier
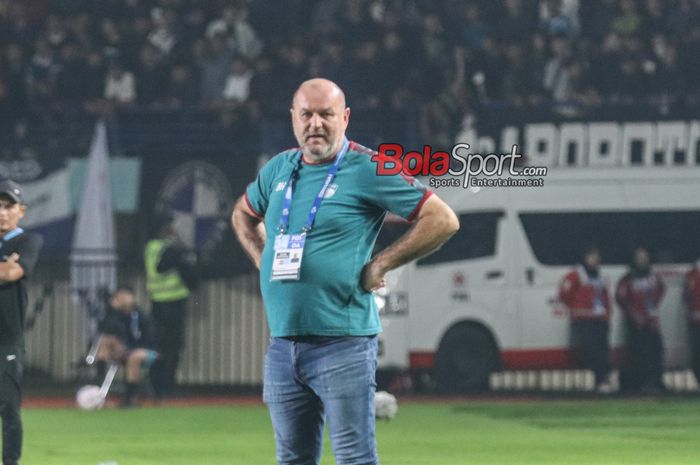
<point>227,335</point>
<point>225,341</point>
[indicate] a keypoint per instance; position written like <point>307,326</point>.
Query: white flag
<point>93,254</point>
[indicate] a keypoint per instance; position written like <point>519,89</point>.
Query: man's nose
<point>316,121</point>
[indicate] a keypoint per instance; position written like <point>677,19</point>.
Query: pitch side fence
<point>226,333</point>
<point>226,336</point>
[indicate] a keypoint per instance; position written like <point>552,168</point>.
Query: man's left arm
<point>434,224</point>
<point>21,262</point>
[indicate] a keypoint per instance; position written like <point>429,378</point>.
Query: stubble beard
<point>319,153</point>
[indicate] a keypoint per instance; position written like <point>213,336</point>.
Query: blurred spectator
<point>557,75</point>
<point>656,21</point>
<point>14,76</point>
<point>290,68</point>
<point>692,300</point>
<point>42,62</point>
<point>263,88</point>
<point>519,87</point>
<point>182,90</point>
<point>354,22</point>
<point>237,87</point>
<point>475,29</point>
<point>111,40</point>
<point>558,22</point>
<point>55,31</point>
<point>363,92</point>
<point>94,78</point>
<point>214,64</point>
<point>433,44</point>
<point>240,35</point>
<point>164,36</point>
<point>518,22</point>
<point>629,21</point>
<point>667,76</point>
<point>605,66</point>
<point>151,75</point>
<point>70,75</point>
<point>616,53</point>
<point>585,294</point>
<point>330,61</point>
<point>596,18</point>
<point>639,293</point>
<point>120,85</point>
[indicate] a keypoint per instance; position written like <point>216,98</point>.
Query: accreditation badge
<point>286,263</point>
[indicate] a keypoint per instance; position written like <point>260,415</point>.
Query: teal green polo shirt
<point>328,299</point>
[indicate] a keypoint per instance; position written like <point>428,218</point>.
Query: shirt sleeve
<point>28,251</point>
<point>257,195</point>
<point>400,194</point>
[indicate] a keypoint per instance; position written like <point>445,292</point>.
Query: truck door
<point>545,323</point>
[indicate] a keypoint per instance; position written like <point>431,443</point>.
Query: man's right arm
<point>249,230</point>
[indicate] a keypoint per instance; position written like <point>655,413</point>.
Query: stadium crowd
<point>65,59</point>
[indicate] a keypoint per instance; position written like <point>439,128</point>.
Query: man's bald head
<point>320,86</point>
<point>319,118</point>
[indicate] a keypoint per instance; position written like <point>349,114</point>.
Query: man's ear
<point>346,116</point>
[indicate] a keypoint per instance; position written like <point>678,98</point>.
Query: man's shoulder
<point>360,149</point>
<point>26,240</point>
<point>361,159</point>
<point>358,153</point>
<point>28,237</point>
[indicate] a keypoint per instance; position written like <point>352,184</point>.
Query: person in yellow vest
<point>170,276</point>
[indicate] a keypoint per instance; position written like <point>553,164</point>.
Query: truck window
<point>476,238</point>
<point>558,238</point>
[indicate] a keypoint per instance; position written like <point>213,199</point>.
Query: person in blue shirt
<point>127,337</point>
<point>309,223</point>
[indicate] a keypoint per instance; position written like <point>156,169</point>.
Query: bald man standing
<point>309,223</point>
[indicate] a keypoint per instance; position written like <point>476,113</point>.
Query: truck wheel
<point>465,359</point>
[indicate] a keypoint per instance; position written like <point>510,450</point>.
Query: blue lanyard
<point>12,234</point>
<point>287,204</point>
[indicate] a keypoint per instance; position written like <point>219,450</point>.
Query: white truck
<point>487,300</point>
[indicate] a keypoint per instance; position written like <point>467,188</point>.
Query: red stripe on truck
<point>530,359</point>
<point>418,360</point>
<point>536,359</point>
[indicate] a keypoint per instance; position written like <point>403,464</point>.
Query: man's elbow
<point>452,223</point>
<point>448,223</point>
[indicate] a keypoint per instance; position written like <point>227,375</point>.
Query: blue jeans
<point>309,380</point>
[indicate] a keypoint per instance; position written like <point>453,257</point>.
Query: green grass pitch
<point>458,433</point>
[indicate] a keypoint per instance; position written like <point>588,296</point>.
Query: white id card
<point>286,263</point>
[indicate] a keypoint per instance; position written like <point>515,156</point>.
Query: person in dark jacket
<point>585,294</point>
<point>19,251</point>
<point>127,338</point>
<point>691,295</point>
<point>638,294</point>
